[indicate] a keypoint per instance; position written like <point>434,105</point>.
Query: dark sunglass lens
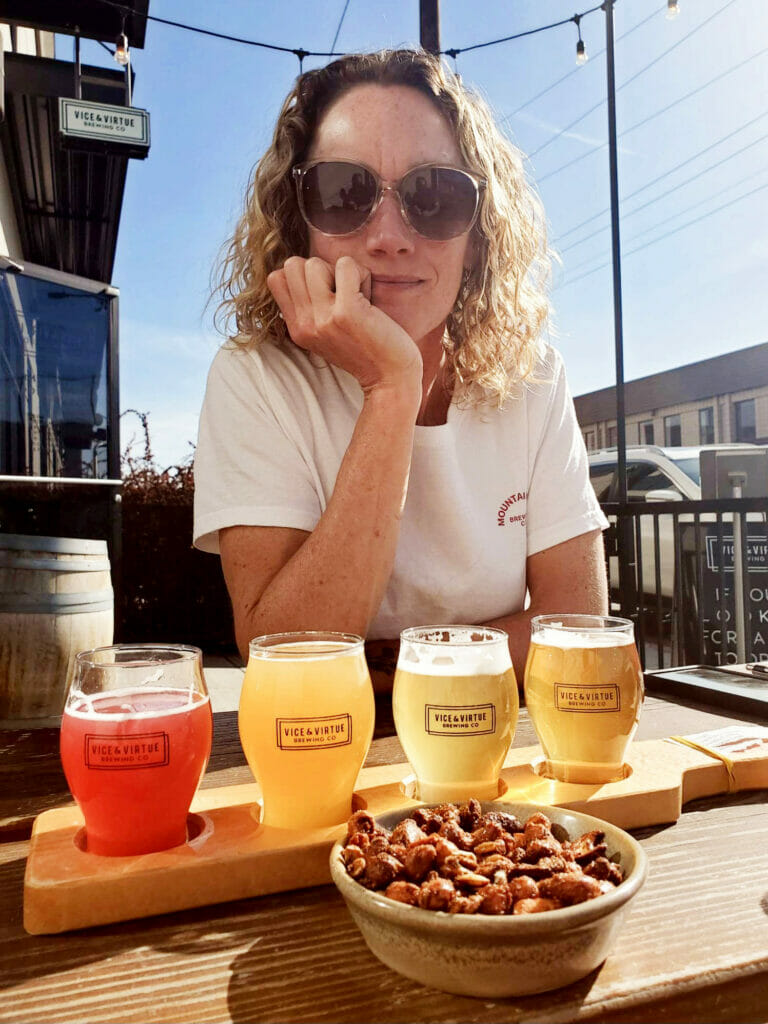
<point>440,201</point>
<point>337,197</point>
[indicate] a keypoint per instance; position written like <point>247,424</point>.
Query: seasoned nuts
<point>461,861</point>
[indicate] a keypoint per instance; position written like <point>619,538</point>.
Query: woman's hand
<point>331,315</point>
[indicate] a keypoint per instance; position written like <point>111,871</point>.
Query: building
<point>61,194</point>
<point>714,401</point>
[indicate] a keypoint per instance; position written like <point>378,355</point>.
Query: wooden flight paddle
<point>229,855</point>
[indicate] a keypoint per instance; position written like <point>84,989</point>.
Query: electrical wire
<point>297,51</point>
<point>666,174</point>
<point>629,81</point>
<point>668,234</point>
<point>575,71</point>
<point>301,52</point>
<point>679,213</point>
<point>694,206</point>
<point>455,51</point>
<point>655,114</point>
<point>680,185</point>
<point>338,27</point>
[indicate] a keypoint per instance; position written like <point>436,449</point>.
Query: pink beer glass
<point>135,741</point>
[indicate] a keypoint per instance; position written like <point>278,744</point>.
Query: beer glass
<point>455,707</point>
<point>135,741</point>
<point>583,689</point>
<point>306,722</point>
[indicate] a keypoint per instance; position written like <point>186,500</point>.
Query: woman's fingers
<point>290,289</point>
<point>295,275</point>
<point>319,283</point>
<point>278,285</point>
<point>352,279</point>
<point>327,310</point>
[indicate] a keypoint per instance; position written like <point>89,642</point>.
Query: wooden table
<point>694,948</point>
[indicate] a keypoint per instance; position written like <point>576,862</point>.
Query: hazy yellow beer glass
<point>306,722</point>
<point>583,689</point>
<point>455,707</point>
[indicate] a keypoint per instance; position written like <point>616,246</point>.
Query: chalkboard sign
<point>708,609</point>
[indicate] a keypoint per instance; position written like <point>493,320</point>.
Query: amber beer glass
<point>583,689</point>
<point>455,707</point>
<point>135,740</point>
<point>306,722</point>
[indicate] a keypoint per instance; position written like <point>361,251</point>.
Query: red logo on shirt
<point>515,503</point>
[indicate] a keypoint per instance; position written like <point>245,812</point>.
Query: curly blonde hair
<point>494,329</point>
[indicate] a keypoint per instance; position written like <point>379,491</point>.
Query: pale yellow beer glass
<point>583,689</point>
<point>455,707</point>
<point>306,722</point>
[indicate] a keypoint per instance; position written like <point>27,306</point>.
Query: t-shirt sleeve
<point>561,500</point>
<point>248,471</point>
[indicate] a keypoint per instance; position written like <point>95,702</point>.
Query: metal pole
<point>625,540</point>
<point>616,251</point>
<point>78,77</point>
<point>429,25</point>
<point>128,94</point>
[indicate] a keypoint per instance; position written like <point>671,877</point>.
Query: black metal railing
<point>693,577</point>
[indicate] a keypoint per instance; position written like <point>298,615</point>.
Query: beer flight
<point>137,724</point>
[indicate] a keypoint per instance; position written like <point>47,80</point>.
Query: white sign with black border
<point>102,122</point>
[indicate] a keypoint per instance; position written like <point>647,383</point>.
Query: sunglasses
<point>338,197</point>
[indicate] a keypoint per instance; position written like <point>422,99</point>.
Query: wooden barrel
<point>55,600</point>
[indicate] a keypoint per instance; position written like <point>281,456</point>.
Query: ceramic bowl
<point>480,955</point>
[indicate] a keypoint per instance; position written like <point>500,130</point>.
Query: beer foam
<point>433,659</point>
<point>568,639</point>
<point>86,706</point>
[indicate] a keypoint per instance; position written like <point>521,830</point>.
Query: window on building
<point>707,425</point>
<point>54,405</point>
<point>589,440</point>
<point>673,436</point>
<point>645,432</point>
<point>610,434</point>
<point>744,413</point>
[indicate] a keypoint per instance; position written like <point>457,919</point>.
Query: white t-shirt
<point>486,489</point>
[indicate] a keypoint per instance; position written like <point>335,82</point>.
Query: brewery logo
<point>465,720</point>
<point>603,697</point>
<point>512,510</point>
<point>313,733</point>
<point>142,750</point>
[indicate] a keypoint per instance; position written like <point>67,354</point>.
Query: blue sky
<point>693,172</point>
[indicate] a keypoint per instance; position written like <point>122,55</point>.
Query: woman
<point>386,441</point>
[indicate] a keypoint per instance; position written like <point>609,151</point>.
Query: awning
<point>93,20</point>
<point>67,202</point>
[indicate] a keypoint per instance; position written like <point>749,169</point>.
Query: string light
<point>122,53</point>
<point>673,9</point>
<point>581,50</point>
<point>301,53</point>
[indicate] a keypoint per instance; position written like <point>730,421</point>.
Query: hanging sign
<point>103,128</point>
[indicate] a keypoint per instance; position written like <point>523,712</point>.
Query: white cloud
<point>556,129</point>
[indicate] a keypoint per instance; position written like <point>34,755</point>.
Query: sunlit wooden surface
<point>694,948</point>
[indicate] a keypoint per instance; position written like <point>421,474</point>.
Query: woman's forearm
<point>336,579</point>
<point>569,577</point>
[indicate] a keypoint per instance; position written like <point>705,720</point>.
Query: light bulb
<point>673,9</point>
<point>122,55</point>
<point>581,52</point>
